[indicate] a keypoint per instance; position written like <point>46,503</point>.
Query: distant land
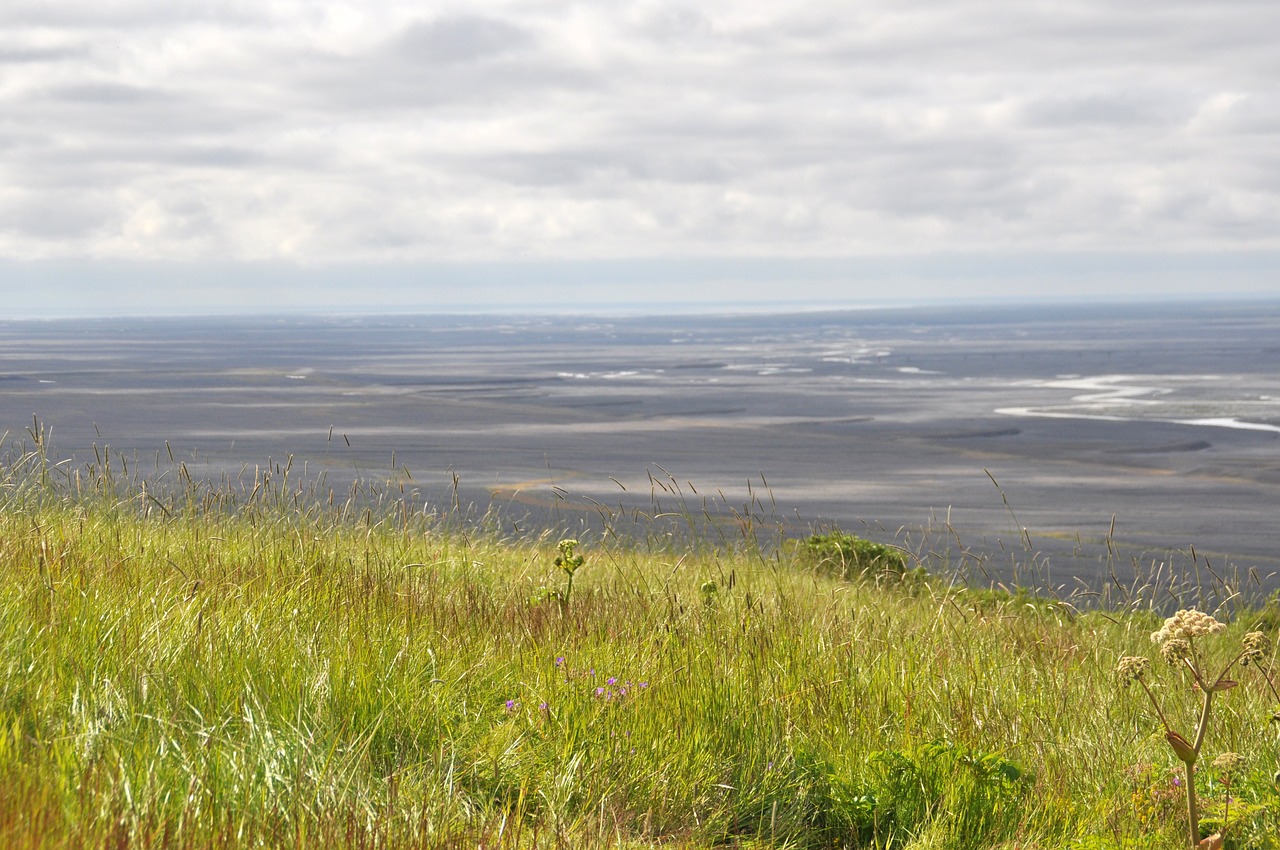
<point>946,429</point>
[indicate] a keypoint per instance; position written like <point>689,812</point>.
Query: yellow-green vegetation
<point>1179,648</point>
<point>257,667</point>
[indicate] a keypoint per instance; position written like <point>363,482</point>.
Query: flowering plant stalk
<point>568,560</point>
<point>1177,640</point>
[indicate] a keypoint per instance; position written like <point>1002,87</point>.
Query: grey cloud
<point>459,39</point>
<point>1114,109</point>
<point>425,68</point>
<point>174,153</point>
<point>606,167</point>
<point>676,24</point>
<point>55,217</point>
<point>33,55</point>
<point>128,14</point>
<point>672,128</point>
<point>108,94</point>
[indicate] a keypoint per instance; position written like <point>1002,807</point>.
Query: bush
<point>848,556</point>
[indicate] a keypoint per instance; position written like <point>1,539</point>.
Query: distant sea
<point>1072,437</point>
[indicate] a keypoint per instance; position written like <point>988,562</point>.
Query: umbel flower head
<point>1187,624</point>
<point>568,559</point>
<point>1256,647</point>
<point>1132,668</point>
<point>1175,650</point>
<point>1229,763</point>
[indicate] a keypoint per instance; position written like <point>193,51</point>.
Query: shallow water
<point>887,422</point>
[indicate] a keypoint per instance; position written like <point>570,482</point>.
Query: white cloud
<point>329,132</point>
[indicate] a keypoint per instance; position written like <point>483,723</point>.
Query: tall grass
<point>259,664</point>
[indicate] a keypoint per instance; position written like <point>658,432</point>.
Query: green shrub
<point>838,553</point>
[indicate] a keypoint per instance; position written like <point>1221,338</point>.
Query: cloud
<point>461,39</point>
<point>404,132</point>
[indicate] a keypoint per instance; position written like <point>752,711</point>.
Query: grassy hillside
<point>258,666</point>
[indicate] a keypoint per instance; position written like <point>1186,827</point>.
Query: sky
<point>280,155</point>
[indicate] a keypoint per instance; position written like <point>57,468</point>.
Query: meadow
<point>262,663</point>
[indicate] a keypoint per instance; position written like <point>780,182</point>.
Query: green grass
<point>255,666</point>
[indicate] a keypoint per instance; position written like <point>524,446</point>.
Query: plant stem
<point>1193,811</point>
<point>1156,705</point>
<point>1226,808</point>
<point>1204,721</point>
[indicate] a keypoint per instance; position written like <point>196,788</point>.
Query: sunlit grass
<point>259,666</point>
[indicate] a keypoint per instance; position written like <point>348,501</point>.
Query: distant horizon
<point>637,286</point>
<point>642,310</point>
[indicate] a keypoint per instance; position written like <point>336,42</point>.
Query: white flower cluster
<point>1187,624</point>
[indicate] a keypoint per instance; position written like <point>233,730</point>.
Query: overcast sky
<point>232,155</point>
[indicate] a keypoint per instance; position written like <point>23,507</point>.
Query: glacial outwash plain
<point>576,581</point>
<point>962,425</point>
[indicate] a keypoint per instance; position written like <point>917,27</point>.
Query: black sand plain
<point>896,423</point>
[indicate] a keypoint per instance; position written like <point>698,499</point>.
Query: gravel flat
<point>951,429</point>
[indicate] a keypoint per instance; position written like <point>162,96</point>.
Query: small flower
<point>542,706</point>
<point>559,660</point>
<point>512,705</point>
<point>1132,668</point>
<point>1256,646</point>
<point>1175,650</point>
<point>612,680</point>
<point>599,692</point>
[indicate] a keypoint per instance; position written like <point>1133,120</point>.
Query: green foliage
<point>206,669</point>
<point>1181,640</point>
<point>844,555</point>
<point>944,788</point>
